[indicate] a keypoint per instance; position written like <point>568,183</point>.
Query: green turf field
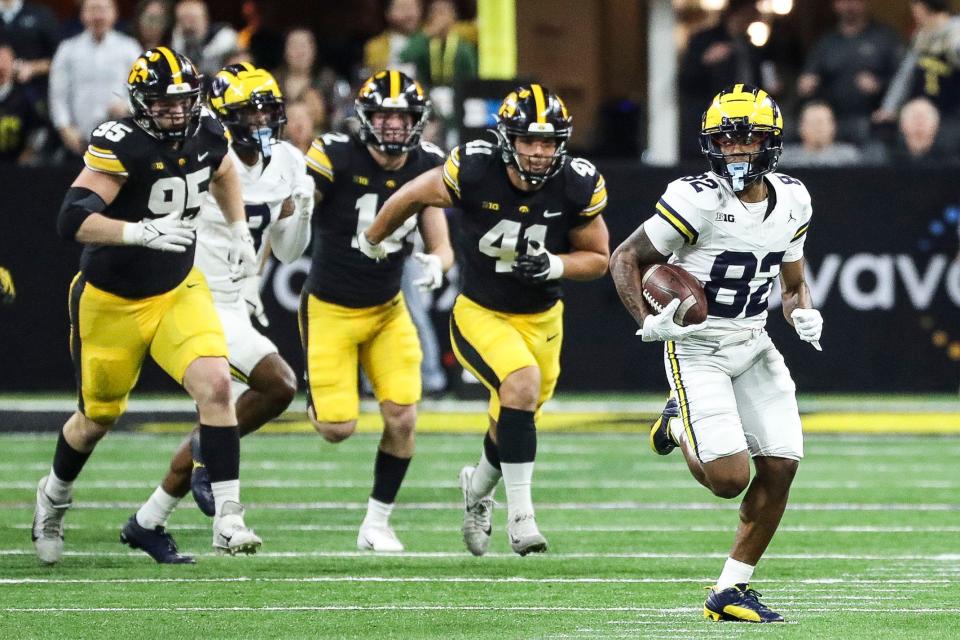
<point>869,549</point>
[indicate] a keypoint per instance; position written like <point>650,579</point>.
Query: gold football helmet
<point>742,115</point>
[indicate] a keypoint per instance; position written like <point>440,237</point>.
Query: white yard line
<point>459,580</point>
<point>936,557</point>
<point>544,506</point>
<point>555,529</point>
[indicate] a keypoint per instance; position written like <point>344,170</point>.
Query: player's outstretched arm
<point>627,265</point>
<point>226,190</point>
<point>426,190</point>
<point>798,304</point>
<point>81,214</point>
<point>438,257</point>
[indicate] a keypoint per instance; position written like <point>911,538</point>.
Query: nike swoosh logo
<point>201,156</point>
<point>552,214</point>
<point>191,286</point>
<point>549,338</point>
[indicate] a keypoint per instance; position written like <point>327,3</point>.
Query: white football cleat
<point>524,535</point>
<point>374,538</point>
<point>477,516</point>
<point>47,532</point>
<point>230,533</point>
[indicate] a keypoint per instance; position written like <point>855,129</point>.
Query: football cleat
<point>230,534</point>
<point>200,480</point>
<point>47,530</point>
<point>661,440</point>
<point>524,535</point>
<point>374,538</point>
<point>738,603</point>
<point>156,542</point>
<point>477,516</point>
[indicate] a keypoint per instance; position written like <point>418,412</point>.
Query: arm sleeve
<point>290,236</point>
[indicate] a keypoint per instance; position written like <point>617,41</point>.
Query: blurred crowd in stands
<point>860,96</point>
<point>58,80</point>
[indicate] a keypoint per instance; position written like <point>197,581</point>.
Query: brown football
<point>662,283</point>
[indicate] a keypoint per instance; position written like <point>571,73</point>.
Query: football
<point>661,283</point>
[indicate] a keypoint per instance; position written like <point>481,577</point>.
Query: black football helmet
<point>162,75</point>
<point>747,115</point>
<point>533,111</point>
<point>392,91</point>
<point>248,101</point>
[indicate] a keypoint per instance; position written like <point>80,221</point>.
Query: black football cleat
<point>738,603</point>
<point>200,480</point>
<point>157,543</point>
<point>661,440</point>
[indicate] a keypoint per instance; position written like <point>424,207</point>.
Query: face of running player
<point>172,113</point>
<point>535,153</point>
<point>739,147</point>
<point>392,127</point>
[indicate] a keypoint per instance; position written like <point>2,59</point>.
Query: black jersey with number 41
<point>501,222</point>
<point>353,188</point>
<point>160,178</point>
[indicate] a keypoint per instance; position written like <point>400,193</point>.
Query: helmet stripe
<point>394,84</point>
<point>539,102</point>
<point>174,65</point>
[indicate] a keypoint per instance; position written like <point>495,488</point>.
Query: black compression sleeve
<point>77,206</point>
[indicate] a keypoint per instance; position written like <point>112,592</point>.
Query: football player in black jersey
<point>137,292</point>
<point>531,217</point>
<point>352,310</point>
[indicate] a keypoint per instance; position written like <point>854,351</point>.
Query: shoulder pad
<point>701,192</point>
<point>580,178</point>
<point>789,186</point>
<point>209,122</point>
<point>114,145</point>
<point>433,150</point>
<point>328,154</point>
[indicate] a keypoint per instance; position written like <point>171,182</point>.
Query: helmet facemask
<point>256,124</point>
<point>158,114</point>
<point>508,148</point>
<point>392,140</point>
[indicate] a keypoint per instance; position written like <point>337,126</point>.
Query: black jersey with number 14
<point>353,187</point>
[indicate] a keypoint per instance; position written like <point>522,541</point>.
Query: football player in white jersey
<point>278,198</point>
<point>735,228</point>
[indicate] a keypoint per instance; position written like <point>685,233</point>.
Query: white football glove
<point>242,255</point>
<point>250,291</point>
<point>662,326</point>
<point>432,271</point>
<point>809,326</point>
<point>367,248</point>
<point>169,233</point>
<point>303,200</point>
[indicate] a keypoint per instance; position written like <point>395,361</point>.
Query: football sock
<point>517,440</point>
<point>378,513</point>
<point>225,491</point>
<point>734,572</point>
<point>491,452</point>
<point>56,489</point>
<point>388,473</point>
<point>156,510</point>
<point>220,449</point>
<point>485,478</point>
<point>67,462</point>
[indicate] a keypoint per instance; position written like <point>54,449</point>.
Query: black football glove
<point>7,291</point>
<point>532,268</point>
